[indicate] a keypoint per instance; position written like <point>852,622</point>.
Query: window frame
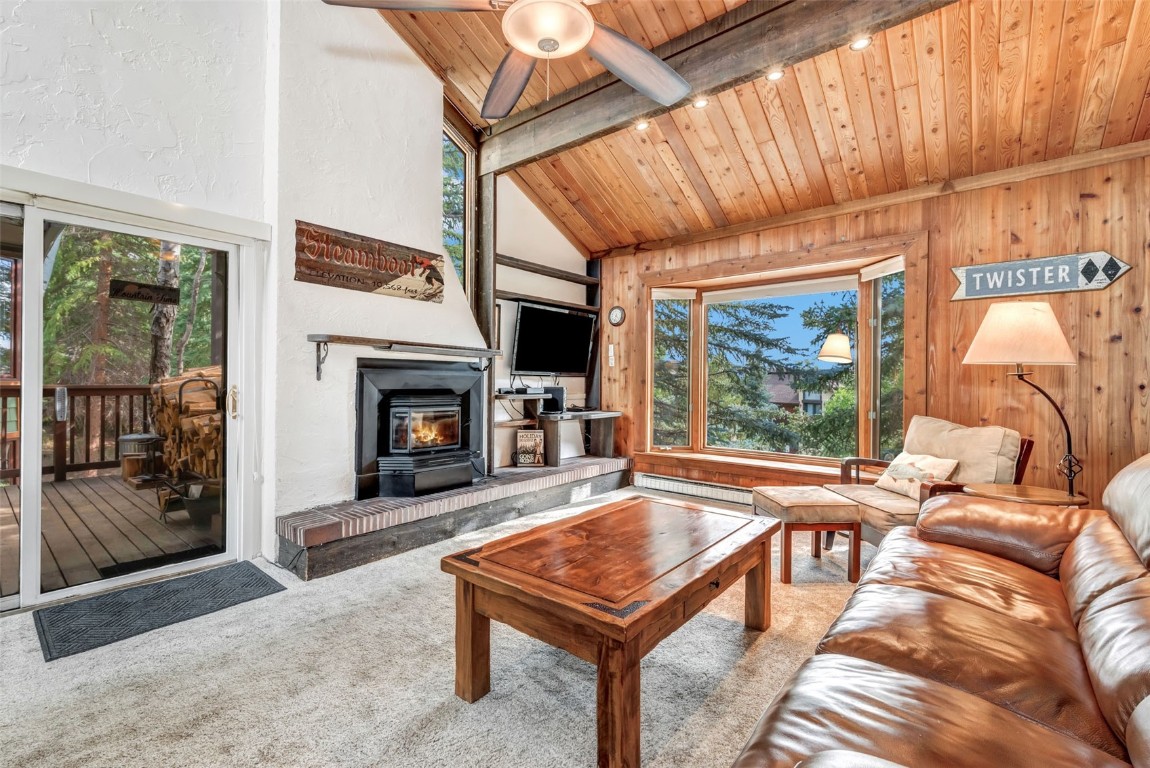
<point>454,133</point>
<point>867,357</point>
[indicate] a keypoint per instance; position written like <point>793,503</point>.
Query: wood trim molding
<point>1006,176</point>
<point>542,269</point>
<point>748,267</point>
<point>714,57</point>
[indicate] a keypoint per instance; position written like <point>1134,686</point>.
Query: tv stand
<point>602,432</point>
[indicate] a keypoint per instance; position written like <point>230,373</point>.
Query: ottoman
<point>814,509</point>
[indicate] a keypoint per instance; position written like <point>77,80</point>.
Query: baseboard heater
<point>693,488</point>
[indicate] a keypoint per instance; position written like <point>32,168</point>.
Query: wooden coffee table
<point>607,586</point>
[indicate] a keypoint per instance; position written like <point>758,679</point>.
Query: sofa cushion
<point>1098,560</point>
<point>977,578</point>
<point>909,471</point>
<point>1033,535</point>
<point>985,454</point>
<point>1127,499</point>
<point>1138,735</point>
<point>1031,670</point>
<point>882,510</point>
<point>1115,636</point>
<point>839,702</point>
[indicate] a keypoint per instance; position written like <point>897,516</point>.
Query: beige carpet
<point>356,670</point>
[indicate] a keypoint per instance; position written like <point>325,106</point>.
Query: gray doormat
<point>76,627</point>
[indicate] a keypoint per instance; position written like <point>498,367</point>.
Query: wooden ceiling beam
<point>727,51</point>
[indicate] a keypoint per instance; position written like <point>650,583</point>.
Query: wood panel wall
<point>1106,397</point>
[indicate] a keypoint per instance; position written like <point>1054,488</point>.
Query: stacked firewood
<point>192,424</point>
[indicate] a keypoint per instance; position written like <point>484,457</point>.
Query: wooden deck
<point>96,523</point>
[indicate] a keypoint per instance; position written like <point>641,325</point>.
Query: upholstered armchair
<point>984,455</point>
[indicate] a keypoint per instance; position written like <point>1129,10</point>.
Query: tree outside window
<point>455,205</point>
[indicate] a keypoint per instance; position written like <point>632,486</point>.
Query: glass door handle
<point>233,403</point>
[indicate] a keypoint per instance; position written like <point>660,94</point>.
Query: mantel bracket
<point>320,359</point>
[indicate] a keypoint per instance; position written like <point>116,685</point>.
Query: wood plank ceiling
<point>977,86</point>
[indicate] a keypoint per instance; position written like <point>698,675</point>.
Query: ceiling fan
<point>545,29</point>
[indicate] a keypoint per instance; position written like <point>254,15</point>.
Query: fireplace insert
<point>422,423</point>
<point>414,422</point>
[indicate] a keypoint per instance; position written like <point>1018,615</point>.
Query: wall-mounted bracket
<point>320,359</point>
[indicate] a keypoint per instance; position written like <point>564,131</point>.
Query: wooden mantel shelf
<point>321,340</point>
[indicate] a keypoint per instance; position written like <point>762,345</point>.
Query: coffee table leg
<point>758,589</point>
<point>472,645</point>
<point>618,704</point>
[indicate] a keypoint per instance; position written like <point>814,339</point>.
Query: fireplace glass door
<point>417,429</point>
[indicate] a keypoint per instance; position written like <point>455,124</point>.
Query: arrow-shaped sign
<point>1053,274</point>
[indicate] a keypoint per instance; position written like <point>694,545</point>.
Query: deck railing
<point>88,439</point>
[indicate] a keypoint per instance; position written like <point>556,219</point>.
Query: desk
<point>1027,494</point>
<point>602,432</point>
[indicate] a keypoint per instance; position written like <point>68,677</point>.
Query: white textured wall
<point>163,99</point>
<point>525,233</point>
<point>360,150</point>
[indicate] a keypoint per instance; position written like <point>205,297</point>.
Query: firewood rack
<point>184,484</point>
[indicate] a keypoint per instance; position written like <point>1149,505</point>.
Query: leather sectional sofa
<point>991,634</point>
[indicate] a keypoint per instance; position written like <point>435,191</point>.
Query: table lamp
<point>1022,333</point>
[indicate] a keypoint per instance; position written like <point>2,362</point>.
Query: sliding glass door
<point>121,458</point>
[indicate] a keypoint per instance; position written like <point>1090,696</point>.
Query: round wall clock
<point>616,316</point>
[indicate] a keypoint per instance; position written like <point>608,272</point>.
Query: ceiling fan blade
<point>416,5</point>
<point>636,66</point>
<point>508,84</point>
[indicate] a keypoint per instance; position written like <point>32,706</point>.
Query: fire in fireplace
<point>424,453</point>
<point>424,423</point>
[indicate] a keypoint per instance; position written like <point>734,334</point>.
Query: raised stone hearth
<point>326,540</point>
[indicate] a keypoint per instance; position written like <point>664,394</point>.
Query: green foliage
<point>90,338</point>
<point>454,203</point>
<point>891,344</point>
<point>742,348</point>
<point>7,276</point>
<point>671,382</point>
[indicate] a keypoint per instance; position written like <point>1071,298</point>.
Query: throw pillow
<point>908,471</point>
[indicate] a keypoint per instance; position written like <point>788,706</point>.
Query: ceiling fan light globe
<point>534,26</point>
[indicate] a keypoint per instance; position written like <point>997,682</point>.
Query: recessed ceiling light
<point>642,125</point>
<point>859,43</point>
<point>700,102</point>
<point>775,74</point>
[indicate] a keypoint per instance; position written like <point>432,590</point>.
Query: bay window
<point>736,369</point>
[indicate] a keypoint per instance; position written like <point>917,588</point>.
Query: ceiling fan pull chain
<point>548,78</point>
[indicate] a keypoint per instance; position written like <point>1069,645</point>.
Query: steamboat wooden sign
<point>1053,274</point>
<point>332,257</point>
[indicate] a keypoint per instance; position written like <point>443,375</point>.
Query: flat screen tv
<point>552,341</point>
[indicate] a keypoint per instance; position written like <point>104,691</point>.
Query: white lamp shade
<point>836,349</point>
<point>1019,333</point>
<point>528,23</point>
